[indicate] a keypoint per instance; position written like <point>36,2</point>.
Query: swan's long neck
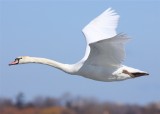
<point>64,67</point>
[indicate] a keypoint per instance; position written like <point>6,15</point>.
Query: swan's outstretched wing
<point>107,53</point>
<point>102,27</point>
<point>106,47</point>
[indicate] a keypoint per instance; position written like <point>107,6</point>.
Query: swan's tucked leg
<point>135,74</point>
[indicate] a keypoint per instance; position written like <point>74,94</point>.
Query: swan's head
<point>20,60</point>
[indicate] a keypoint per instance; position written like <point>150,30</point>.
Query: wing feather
<point>101,27</point>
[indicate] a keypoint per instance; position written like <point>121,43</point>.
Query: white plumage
<point>104,52</point>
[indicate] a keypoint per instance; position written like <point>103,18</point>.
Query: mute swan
<point>104,53</point>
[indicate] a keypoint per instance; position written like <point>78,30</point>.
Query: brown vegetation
<point>70,105</point>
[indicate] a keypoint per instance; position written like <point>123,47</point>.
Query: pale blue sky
<point>52,29</point>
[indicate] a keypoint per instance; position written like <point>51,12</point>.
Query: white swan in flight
<point>104,53</point>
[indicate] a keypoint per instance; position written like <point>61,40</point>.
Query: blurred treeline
<point>72,105</point>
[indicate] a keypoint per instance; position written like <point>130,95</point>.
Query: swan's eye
<point>17,59</point>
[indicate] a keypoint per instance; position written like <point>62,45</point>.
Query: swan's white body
<point>104,52</point>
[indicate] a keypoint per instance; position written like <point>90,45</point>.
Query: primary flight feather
<point>104,53</point>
